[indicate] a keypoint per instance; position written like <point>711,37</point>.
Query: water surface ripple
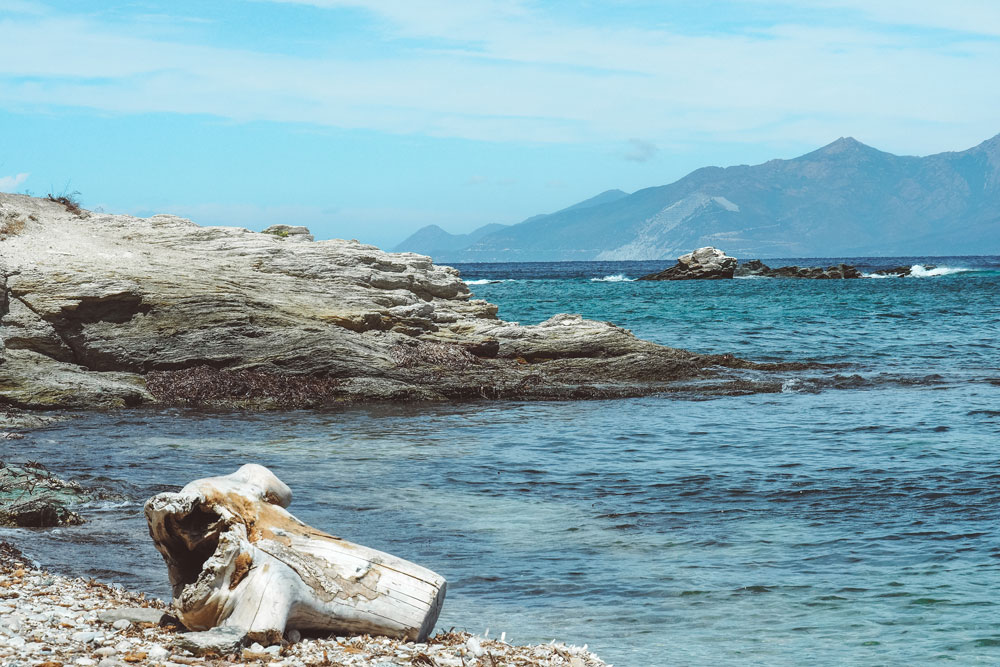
<point>838,522</point>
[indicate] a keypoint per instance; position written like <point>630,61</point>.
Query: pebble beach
<point>48,620</point>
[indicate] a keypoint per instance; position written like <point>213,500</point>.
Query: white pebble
<point>83,636</point>
<point>158,653</point>
<point>85,662</point>
<point>474,646</point>
<point>105,651</point>
<point>122,624</point>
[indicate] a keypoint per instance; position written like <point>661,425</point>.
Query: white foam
<point>918,271</point>
<point>485,281</point>
<point>617,278</point>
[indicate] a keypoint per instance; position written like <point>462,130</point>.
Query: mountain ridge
<point>843,199</point>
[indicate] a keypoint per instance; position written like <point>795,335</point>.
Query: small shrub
<point>70,201</point>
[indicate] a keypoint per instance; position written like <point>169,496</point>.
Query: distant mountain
<point>434,241</point>
<point>845,199</point>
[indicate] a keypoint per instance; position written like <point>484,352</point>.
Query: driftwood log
<point>236,557</point>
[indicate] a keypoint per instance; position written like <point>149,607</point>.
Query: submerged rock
<point>31,497</point>
<point>703,264</point>
<point>110,310</point>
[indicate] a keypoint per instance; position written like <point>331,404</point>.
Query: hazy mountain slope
<point>843,199</point>
<point>432,240</point>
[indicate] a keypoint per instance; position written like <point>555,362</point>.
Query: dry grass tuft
<point>204,384</point>
<point>453,357</point>
<point>11,224</point>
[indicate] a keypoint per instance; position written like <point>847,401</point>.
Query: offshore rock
<point>757,268</point>
<point>703,264</point>
<point>104,310</point>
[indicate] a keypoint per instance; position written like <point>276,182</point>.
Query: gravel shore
<point>50,620</point>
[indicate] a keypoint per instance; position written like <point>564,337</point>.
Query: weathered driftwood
<point>236,557</point>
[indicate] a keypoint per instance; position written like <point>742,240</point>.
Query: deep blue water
<point>850,519</point>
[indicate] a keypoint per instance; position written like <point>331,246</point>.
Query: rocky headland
<point>101,310</point>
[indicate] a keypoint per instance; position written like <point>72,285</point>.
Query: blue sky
<point>369,119</point>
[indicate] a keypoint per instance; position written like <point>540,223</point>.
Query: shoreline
<point>50,619</point>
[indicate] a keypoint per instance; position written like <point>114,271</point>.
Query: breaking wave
<point>921,271</point>
<point>617,278</point>
<point>485,281</point>
<point>918,271</point>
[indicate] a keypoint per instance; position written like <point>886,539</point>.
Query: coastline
<point>49,619</point>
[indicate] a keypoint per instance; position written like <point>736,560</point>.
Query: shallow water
<point>850,519</point>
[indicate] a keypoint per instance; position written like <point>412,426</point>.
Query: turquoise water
<point>850,519</point>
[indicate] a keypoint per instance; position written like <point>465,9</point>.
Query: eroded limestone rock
<point>110,310</point>
<point>703,264</point>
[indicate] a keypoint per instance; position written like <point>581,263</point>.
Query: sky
<point>369,119</point>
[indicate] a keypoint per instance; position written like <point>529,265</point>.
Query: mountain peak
<point>844,145</point>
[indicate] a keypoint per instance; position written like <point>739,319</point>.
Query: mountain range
<point>846,199</point>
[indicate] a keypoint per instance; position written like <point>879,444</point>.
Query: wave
<point>617,278</point>
<point>921,271</point>
<point>487,281</point>
<point>918,271</point>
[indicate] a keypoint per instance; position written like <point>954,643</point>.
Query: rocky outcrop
<point>702,264</point>
<point>110,310</point>
<point>757,268</point>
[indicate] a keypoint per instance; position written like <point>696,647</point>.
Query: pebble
<point>158,653</point>
<point>60,620</point>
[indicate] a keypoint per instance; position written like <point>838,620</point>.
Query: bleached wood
<point>236,557</point>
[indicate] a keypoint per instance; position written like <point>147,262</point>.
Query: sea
<point>849,519</point>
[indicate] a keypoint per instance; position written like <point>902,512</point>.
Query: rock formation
<point>237,559</point>
<point>755,267</point>
<point>703,264</point>
<point>104,310</point>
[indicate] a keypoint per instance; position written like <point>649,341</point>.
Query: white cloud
<point>502,71</point>
<point>11,183</point>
